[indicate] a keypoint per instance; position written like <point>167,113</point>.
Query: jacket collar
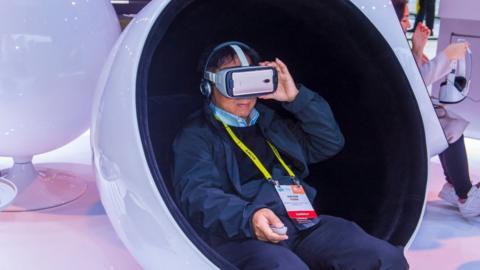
<point>231,119</point>
<point>265,116</point>
<point>265,120</point>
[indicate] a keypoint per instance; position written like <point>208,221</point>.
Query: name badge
<point>296,202</point>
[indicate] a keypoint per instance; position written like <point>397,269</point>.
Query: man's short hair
<point>224,55</point>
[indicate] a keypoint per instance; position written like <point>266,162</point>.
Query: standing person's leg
<point>254,254</point>
<point>340,244</point>
<point>443,162</point>
<point>420,13</point>
<point>430,13</point>
<point>455,164</point>
<point>455,167</point>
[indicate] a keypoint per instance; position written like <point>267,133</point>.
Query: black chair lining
<point>379,179</point>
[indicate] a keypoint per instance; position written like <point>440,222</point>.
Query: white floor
<point>76,236</point>
<point>79,235</point>
<point>445,240</point>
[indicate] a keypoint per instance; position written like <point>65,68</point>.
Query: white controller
<point>281,230</point>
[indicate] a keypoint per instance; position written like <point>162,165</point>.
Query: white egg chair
<point>353,53</point>
<point>51,55</point>
<point>8,192</point>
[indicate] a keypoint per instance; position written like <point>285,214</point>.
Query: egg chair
<point>346,51</point>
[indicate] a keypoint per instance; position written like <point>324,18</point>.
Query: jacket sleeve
<point>434,69</point>
<point>201,193</point>
<point>316,128</point>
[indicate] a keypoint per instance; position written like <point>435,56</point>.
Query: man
<point>458,190</point>
<point>237,201</point>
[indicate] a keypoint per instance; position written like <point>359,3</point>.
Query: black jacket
<point>206,176</point>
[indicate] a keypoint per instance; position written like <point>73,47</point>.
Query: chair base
<point>42,188</point>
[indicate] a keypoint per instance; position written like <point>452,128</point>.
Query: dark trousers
<point>427,9</point>
<point>455,167</point>
<point>334,243</point>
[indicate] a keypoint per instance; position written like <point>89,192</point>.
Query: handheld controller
<point>281,230</point>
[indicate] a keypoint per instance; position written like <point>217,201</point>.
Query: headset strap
<point>235,45</point>
<point>241,55</point>
<point>209,76</point>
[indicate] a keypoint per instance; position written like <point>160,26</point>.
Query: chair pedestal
<point>41,188</point>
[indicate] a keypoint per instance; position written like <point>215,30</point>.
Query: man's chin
<point>243,109</point>
<point>243,113</point>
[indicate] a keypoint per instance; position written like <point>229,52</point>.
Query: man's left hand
<point>287,90</point>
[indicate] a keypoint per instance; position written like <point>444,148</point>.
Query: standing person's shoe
<point>447,193</point>
<point>470,207</point>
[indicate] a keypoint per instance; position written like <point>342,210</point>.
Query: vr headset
<point>239,82</point>
<point>457,86</point>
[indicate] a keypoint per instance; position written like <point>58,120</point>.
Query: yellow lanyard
<point>256,160</point>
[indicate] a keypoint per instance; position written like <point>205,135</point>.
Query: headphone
<point>239,49</point>
<point>457,85</point>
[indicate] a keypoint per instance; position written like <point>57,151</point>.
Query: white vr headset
<point>457,85</point>
<point>239,82</point>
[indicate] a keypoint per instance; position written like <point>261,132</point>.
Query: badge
<point>296,202</point>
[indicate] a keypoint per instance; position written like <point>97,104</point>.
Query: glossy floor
<point>79,235</point>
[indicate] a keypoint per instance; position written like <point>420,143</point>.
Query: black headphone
<point>205,85</point>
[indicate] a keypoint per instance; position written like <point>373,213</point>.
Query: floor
<point>79,235</point>
<point>445,240</point>
<point>76,236</point>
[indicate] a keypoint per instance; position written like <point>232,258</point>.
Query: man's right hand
<point>262,220</point>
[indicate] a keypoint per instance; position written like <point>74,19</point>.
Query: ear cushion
<point>460,83</point>
<point>205,88</point>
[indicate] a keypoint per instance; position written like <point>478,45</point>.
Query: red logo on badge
<point>297,189</point>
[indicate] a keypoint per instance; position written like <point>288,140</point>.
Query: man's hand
<point>286,90</point>
<point>420,39</point>
<point>456,51</point>
<point>262,220</point>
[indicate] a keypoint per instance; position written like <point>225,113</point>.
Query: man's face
<point>239,106</point>
<point>405,22</point>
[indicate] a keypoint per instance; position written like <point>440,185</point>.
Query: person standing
<point>426,12</point>
<point>459,190</point>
